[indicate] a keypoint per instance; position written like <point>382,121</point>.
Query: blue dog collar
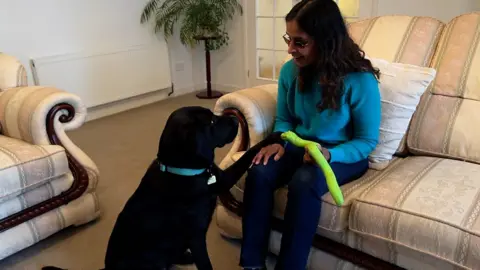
<point>181,171</point>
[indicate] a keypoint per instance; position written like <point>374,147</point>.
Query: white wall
<point>185,64</point>
<point>32,28</point>
<point>228,64</point>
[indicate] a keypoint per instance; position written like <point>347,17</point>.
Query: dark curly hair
<point>337,53</point>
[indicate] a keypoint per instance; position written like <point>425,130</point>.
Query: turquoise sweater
<point>350,133</point>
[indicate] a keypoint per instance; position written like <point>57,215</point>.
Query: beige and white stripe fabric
<point>24,110</point>
<point>24,166</point>
<point>12,72</point>
<point>399,39</point>
<point>426,205</point>
<point>23,115</point>
<point>258,106</point>
<point>78,212</point>
<point>441,125</point>
<point>31,169</point>
<point>334,218</point>
<point>30,197</point>
<point>31,174</point>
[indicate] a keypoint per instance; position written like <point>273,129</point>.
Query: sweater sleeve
<point>283,118</point>
<point>365,108</point>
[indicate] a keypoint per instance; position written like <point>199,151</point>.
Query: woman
<point>327,93</point>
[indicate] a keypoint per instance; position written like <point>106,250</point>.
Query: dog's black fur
<point>169,214</point>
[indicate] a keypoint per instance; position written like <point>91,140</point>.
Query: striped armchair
<point>46,182</point>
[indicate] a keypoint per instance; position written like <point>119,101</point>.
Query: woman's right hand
<point>266,152</point>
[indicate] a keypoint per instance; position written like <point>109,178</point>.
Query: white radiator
<point>106,76</point>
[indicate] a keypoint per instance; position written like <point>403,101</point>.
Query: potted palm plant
<point>201,20</point>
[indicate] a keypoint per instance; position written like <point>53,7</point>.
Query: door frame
<point>249,20</point>
<point>246,60</point>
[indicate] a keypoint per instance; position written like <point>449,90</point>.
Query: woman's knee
<point>307,178</point>
<point>260,175</point>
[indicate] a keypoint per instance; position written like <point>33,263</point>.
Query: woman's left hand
<point>308,159</point>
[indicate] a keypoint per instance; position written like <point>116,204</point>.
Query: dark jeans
<point>306,185</point>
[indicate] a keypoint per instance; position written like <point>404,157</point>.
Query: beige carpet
<point>122,146</point>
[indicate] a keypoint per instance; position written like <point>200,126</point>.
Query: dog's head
<point>191,135</point>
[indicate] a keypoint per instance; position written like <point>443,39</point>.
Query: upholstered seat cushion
<point>425,204</point>
<point>333,218</point>
<point>24,166</point>
<point>54,187</point>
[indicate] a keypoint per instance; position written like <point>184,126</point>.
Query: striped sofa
<point>423,210</point>
<point>46,182</point>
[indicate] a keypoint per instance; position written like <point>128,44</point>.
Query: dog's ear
<point>176,142</point>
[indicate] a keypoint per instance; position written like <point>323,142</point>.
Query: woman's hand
<point>308,159</point>
<point>267,151</point>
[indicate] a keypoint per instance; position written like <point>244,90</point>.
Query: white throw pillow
<point>401,86</point>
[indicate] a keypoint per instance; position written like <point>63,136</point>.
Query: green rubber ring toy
<point>316,154</point>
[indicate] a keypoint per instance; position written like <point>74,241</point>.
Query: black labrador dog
<point>165,221</point>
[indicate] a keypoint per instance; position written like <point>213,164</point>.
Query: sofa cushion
<point>446,123</point>
<point>412,42</point>
<point>333,218</point>
<point>401,86</point>
<point>23,166</point>
<point>426,204</point>
<point>41,193</point>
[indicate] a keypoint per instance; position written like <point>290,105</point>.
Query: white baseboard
<point>142,100</point>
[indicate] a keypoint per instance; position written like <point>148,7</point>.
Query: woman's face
<point>300,45</point>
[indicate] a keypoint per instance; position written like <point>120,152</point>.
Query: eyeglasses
<point>299,43</point>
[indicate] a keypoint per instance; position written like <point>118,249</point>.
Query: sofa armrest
<point>255,108</point>
<point>12,72</point>
<point>41,115</point>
